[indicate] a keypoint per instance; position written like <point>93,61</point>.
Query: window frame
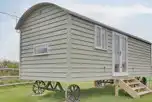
<point>105,40</point>
<point>36,45</point>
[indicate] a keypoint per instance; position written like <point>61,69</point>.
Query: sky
<point>131,16</point>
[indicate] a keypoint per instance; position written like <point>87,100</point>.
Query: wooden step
<point>129,79</point>
<point>134,83</point>
<point>144,92</point>
<point>134,87</point>
<point>139,87</point>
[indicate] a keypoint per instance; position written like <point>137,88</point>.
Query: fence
<point>149,82</point>
<point>13,75</point>
<point>10,77</point>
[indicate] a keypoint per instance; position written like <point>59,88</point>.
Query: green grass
<point>10,81</point>
<point>88,94</point>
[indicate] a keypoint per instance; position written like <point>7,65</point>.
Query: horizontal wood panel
<point>41,36</point>
<point>132,45</point>
<point>47,66</point>
<point>137,42</point>
<point>140,70</point>
<point>90,70</point>
<point>88,39</point>
<point>82,38</point>
<point>44,70</point>
<point>138,55</point>
<point>82,34</point>
<point>54,43</point>
<point>46,61</point>
<point>82,61</point>
<point>50,48</point>
<point>41,32</point>
<point>50,51</point>
<point>86,79</point>
<point>141,73</point>
<point>81,42</point>
<point>87,36</point>
<point>52,20</point>
<point>90,57</point>
<point>83,25</point>
<point>51,64</point>
<point>52,25</point>
<point>75,27</point>
<point>139,63</point>
<point>90,48</point>
<point>42,10</point>
<point>88,43</point>
<point>83,75</point>
<point>101,53</point>
<point>134,67</point>
<point>47,74</point>
<point>59,79</point>
<point>59,42</point>
<point>28,48</point>
<point>61,51</point>
<point>48,57</point>
<point>140,60</point>
<point>39,18</point>
<point>91,66</point>
<point>82,21</point>
<point>137,75</point>
<point>139,50</point>
<point>44,40</point>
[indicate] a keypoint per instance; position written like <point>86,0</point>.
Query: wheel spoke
<point>38,82</point>
<point>71,89</point>
<point>77,89</point>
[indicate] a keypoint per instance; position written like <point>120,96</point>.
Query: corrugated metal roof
<point>33,8</point>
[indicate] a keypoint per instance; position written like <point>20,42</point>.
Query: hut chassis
<point>72,92</point>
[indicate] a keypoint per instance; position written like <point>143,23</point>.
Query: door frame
<point>113,55</point>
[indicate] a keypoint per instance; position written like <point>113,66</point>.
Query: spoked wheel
<point>99,83</point>
<point>38,87</point>
<point>73,93</point>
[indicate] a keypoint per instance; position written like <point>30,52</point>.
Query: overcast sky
<point>132,16</point>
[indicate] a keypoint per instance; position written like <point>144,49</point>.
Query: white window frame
<point>106,38</point>
<point>44,44</point>
<point>113,55</point>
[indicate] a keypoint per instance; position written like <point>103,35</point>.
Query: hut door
<point>119,55</point>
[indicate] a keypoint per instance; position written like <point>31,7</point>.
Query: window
<point>40,49</point>
<point>100,38</point>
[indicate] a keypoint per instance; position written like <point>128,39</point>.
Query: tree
<point>9,64</point>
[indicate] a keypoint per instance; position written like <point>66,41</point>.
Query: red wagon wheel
<point>38,87</point>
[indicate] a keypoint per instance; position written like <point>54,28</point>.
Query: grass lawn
<point>88,94</point>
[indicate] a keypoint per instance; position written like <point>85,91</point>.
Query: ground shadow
<point>108,90</point>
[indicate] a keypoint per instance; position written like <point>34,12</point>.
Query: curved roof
<point>29,11</point>
<point>33,8</point>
